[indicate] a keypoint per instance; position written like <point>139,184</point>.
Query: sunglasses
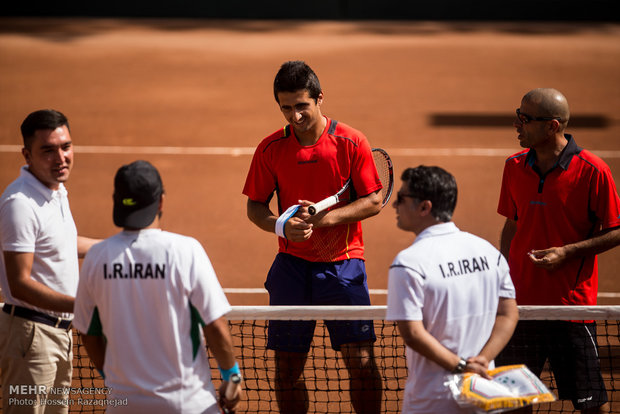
<point>525,118</point>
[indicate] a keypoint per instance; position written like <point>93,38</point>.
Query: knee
<point>289,368</point>
<point>361,359</point>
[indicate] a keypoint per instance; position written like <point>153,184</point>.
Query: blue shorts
<point>295,281</point>
<point>572,352</point>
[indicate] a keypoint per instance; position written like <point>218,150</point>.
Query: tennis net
<point>325,374</point>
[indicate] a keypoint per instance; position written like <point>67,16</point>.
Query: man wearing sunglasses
<point>450,293</point>
<point>562,209</point>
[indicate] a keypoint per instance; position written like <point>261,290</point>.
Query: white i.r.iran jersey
<point>149,292</point>
<point>452,281</point>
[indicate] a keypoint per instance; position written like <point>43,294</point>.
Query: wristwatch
<point>460,367</point>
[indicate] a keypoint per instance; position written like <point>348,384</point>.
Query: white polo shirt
<point>148,291</point>
<point>452,281</point>
<point>35,219</point>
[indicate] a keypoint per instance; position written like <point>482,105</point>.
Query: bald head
<point>549,103</point>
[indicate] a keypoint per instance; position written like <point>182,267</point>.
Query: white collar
<point>34,182</point>
<point>437,230</point>
<point>141,231</point>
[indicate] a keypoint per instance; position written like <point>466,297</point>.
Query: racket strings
<point>385,172</point>
<point>330,243</point>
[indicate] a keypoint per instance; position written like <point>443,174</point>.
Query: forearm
<point>505,323</point>
<point>555,256</point>
<point>41,296</point>
<point>95,347</point>
<point>84,244</point>
<point>418,339</point>
<point>508,233</point>
<point>220,343</point>
<point>18,266</point>
<point>358,210</point>
<point>600,243</point>
<point>261,215</point>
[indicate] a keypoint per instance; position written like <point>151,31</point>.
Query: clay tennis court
<point>194,97</point>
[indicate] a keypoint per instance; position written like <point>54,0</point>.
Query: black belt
<point>35,316</point>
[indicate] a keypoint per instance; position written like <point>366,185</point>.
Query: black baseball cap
<point>137,192</point>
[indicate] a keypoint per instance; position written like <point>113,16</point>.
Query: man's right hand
<point>297,230</point>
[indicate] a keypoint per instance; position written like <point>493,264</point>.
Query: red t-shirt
<point>572,202</point>
<point>295,172</point>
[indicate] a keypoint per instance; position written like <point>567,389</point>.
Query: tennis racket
<point>385,169</point>
<point>232,390</point>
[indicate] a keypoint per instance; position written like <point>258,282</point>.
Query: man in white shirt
<point>38,269</point>
<point>143,297</point>
<point>450,293</point>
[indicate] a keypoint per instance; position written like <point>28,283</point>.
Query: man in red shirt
<point>562,209</point>
<point>321,257</point>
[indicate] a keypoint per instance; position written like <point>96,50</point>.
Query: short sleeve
<point>260,182</point>
<point>18,226</point>
<point>506,206</point>
<point>506,287</point>
<point>405,294</point>
<point>84,306</point>
<point>206,294</point>
<point>604,199</point>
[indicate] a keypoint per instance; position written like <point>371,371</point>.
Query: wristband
<point>284,217</point>
<point>226,373</point>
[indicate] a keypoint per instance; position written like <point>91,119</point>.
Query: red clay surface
<point>207,84</point>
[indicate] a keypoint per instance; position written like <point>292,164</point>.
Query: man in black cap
<point>142,297</point>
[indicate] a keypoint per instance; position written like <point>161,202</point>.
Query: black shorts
<point>572,351</point>
<point>295,281</point>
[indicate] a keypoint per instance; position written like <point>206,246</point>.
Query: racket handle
<point>323,204</point>
<point>233,387</point>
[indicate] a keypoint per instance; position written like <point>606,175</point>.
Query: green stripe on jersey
<point>95,328</point>
<point>197,324</point>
